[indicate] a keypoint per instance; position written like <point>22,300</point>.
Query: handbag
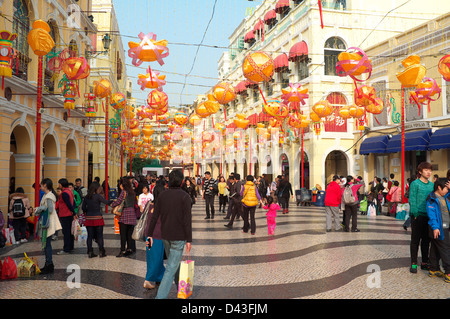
<point>139,229</point>
<point>118,209</point>
<point>186,279</point>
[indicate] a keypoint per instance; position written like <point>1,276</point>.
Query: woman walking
<point>223,198</point>
<point>284,190</point>
<point>189,188</point>
<point>250,199</point>
<point>94,219</point>
<point>127,219</point>
<point>50,220</point>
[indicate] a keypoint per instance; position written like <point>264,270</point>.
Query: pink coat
<point>272,210</point>
<point>395,193</point>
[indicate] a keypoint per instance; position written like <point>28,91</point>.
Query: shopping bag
<point>186,280</point>
<point>75,229</point>
<point>9,269</point>
<point>363,205</point>
<point>82,236</point>
<point>9,236</point>
<point>371,211</point>
<point>27,267</point>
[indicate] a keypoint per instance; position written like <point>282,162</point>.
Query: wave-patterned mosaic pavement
<point>301,260</point>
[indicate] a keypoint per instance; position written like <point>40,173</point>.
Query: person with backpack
<point>283,191</point>
<point>350,201</point>
<point>19,211</point>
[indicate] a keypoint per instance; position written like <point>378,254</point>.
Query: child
<point>439,223</point>
<point>419,191</point>
<point>271,214</point>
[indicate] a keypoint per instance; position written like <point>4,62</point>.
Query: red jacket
<point>64,210</point>
<point>333,195</point>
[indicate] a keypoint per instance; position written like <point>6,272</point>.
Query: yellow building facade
<point>430,41</point>
<point>64,137</point>
<point>305,53</point>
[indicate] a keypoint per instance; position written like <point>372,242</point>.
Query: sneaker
<point>62,252</point>
<point>228,226</point>
<point>447,278</point>
<point>24,240</point>
<point>413,269</point>
<point>355,230</point>
<point>425,266</point>
<point>436,273</point>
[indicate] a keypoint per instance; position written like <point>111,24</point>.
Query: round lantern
<point>202,111</point>
<point>133,123</point>
<point>180,118</point>
<point>444,67</point>
<point>323,108</point>
<point>118,101</point>
<point>194,119</point>
<point>283,113</point>
<point>344,112</point>
<point>294,120</point>
<point>376,107</point>
<point>425,92</point>
<point>353,62</point>
<point>356,111</point>
<point>272,108</point>
<point>102,88</point>
<point>76,68</point>
<point>224,93</point>
<point>365,95</point>
<point>258,67</point>
<point>157,99</point>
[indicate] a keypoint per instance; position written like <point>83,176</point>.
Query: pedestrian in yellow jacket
<point>250,199</point>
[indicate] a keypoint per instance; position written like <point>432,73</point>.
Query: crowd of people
<point>168,201</point>
<point>429,206</point>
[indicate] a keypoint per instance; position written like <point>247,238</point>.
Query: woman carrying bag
<point>48,223</point>
<point>94,220</point>
<point>128,215</point>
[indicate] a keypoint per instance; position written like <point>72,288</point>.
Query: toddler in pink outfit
<point>271,215</point>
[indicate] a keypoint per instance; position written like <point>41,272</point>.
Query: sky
<point>183,24</point>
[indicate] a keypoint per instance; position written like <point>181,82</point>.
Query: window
<point>21,26</point>
<point>411,109</point>
<point>302,68</point>
<point>335,123</point>
<point>381,119</point>
<point>284,12</point>
<point>333,46</point>
<point>255,91</point>
<point>284,79</point>
<point>269,86</point>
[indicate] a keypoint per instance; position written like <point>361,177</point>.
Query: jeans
<point>48,251</point>
<point>351,211</point>
<point>20,228</point>
<point>174,251</point>
<point>97,233</point>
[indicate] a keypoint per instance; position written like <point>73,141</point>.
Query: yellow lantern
<point>194,119</point>
<point>118,101</point>
<point>211,105</point>
<point>39,38</point>
<point>180,118</point>
<point>147,131</point>
<point>323,108</point>
<point>258,67</point>
<point>414,72</point>
<point>102,88</point>
<point>202,111</point>
<point>240,121</point>
<point>224,93</point>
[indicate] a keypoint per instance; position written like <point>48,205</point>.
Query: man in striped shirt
<point>209,193</point>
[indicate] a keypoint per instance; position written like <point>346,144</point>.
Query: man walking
<point>209,192</point>
<point>173,208</point>
<point>235,197</point>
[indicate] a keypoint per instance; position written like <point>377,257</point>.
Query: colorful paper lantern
<point>344,112</point>
<point>148,49</point>
<point>425,92</point>
<point>211,105</point>
<point>258,67</point>
<point>180,118</point>
<point>6,54</point>
<point>272,108</point>
<point>70,92</point>
<point>76,68</point>
<point>39,38</point>
<point>365,95</point>
<point>157,99</point>
<point>90,105</point>
<point>376,107</point>
<point>353,62</point>
<point>147,130</point>
<point>202,111</point>
<point>194,119</point>
<point>102,88</point>
<point>414,72</point>
<point>294,94</point>
<point>240,121</point>
<point>133,123</point>
<point>118,101</point>
<point>151,80</point>
<point>224,93</point>
<point>323,108</point>
<point>444,67</point>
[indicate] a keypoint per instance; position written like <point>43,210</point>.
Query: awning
<point>440,139</point>
<point>271,14</point>
<point>249,36</point>
<point>376,144</point>
<point>253,119</point>
<point>263,117</point>
<point>241,86</point>
<point>414,141</point>
<point>281,62</point>
<point>281,4</point>
<point>297,50</point>
<point>258,26</point>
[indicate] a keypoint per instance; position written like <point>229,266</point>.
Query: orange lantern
<point>148,50</point>
<point>157,99</point>
<point>365,95</point>
<point>194,119</point>
<point>133,123</point>
<point>241,121</point>
<point>356,111</point>
<point>414,72</point>
<point>294,120</point>
<point>180,118</point>
<point>224,93</point>
<point>283,113</point>
<point>118,101</point>
<point>39,38</point>
<point>258,67</point>
<point>353,62</point>
<point>211,105</point>
<point>444,67</point>
<point>323,108</point>
<point>376,107</point>
<point>425,92</point>
<point>202,111</point>
<point>102,88</point>
<point>316,122</point>
<point>272,108</point>
<point>147,130</point>
<point>344,112</point>
<point>151,80</point>
<point>76,68</point>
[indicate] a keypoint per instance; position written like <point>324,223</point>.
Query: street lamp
<point>106,41</point>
